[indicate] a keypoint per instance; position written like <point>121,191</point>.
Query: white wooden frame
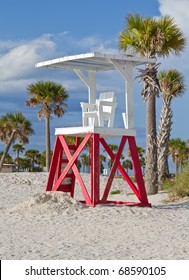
<point>94,62</point>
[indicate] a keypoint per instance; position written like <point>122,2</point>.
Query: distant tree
<point>8,159</point>
<point>143,164</point>
<point>141,153</point>
<point>179,151</point>
<point>42,158</point>
<point>114,149</point>
<point>24,164</point>
<point>127,164</point>
<point>85,162</point>
<point>18,148</point>
<point>32,155</point>
<point>79,165</point>
<point>14,126</point>
<point>52,100</point>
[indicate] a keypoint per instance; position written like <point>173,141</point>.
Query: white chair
<point>89,114</point>
<point>101,113</point>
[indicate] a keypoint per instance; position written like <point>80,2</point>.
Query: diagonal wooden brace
<point>120,168</point>
<point>71,164</point>
<point>137,170</point>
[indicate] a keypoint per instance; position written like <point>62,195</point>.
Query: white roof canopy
<point>95,62</point>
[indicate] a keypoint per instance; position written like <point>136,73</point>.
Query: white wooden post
<point>90,82</point>
<point>129,85</point>
<point>126,71</point>
<point>92,87</point>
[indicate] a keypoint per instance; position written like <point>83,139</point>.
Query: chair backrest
<point>107,96</point>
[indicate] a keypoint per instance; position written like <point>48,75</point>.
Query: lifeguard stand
<point>63,171</point>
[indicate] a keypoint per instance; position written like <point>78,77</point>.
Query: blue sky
<point>38,30</point>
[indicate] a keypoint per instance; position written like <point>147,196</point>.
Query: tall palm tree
<point>18,148</point>
<point>52,100</point>
<point>151,38</point>
<point>14,126</point>
<point>172,85</point>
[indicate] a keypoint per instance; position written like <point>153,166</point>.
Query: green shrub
<point>133,178</point>
<point>115,192</point>
<point>181,184</point>
<point>168,185</point>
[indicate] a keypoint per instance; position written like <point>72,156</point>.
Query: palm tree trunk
<point>48,145</point>
<point>176,164</point>
<point>6,149</point>
<point>163,141</point>
<point>17,159</point>
<point>151,176</point>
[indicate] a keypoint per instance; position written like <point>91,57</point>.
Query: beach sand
<point>40,225</point>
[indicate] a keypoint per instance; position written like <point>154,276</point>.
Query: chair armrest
<point>88,106</point>
<point>106,103</point>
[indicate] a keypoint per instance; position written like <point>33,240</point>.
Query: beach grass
<point>180,187</point>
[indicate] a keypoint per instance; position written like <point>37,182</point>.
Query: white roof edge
<point>123,57</point>
<point>64,59</point>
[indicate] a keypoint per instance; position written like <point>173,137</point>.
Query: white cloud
<point>18,61</point>
<point>14,86</point>
<point>177,9</point>
<point>6,45</point>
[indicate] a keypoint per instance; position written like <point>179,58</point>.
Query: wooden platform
<point>102,131</point>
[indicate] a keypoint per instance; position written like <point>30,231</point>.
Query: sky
<point>39,30</point>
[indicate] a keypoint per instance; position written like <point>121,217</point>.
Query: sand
<point>40,225</point>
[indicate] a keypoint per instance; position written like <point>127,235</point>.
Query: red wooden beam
<point>53,166</point>
<point>137,170</point>
<point>95,169</point>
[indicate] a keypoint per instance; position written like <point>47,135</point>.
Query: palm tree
<point>151,38</point>
<point>127,164</point>
<point>42,158</point>
<point>141,152</point>
<point>8,159</point>
<point>14,126</point>
<point>18,148</point>
<point>85,161</point>
<point>179,151</point>
<point>51,98</point>
<point>32,155</point>
<point>114,149</point>
<point>24,163</point>
<point>172,85</point>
